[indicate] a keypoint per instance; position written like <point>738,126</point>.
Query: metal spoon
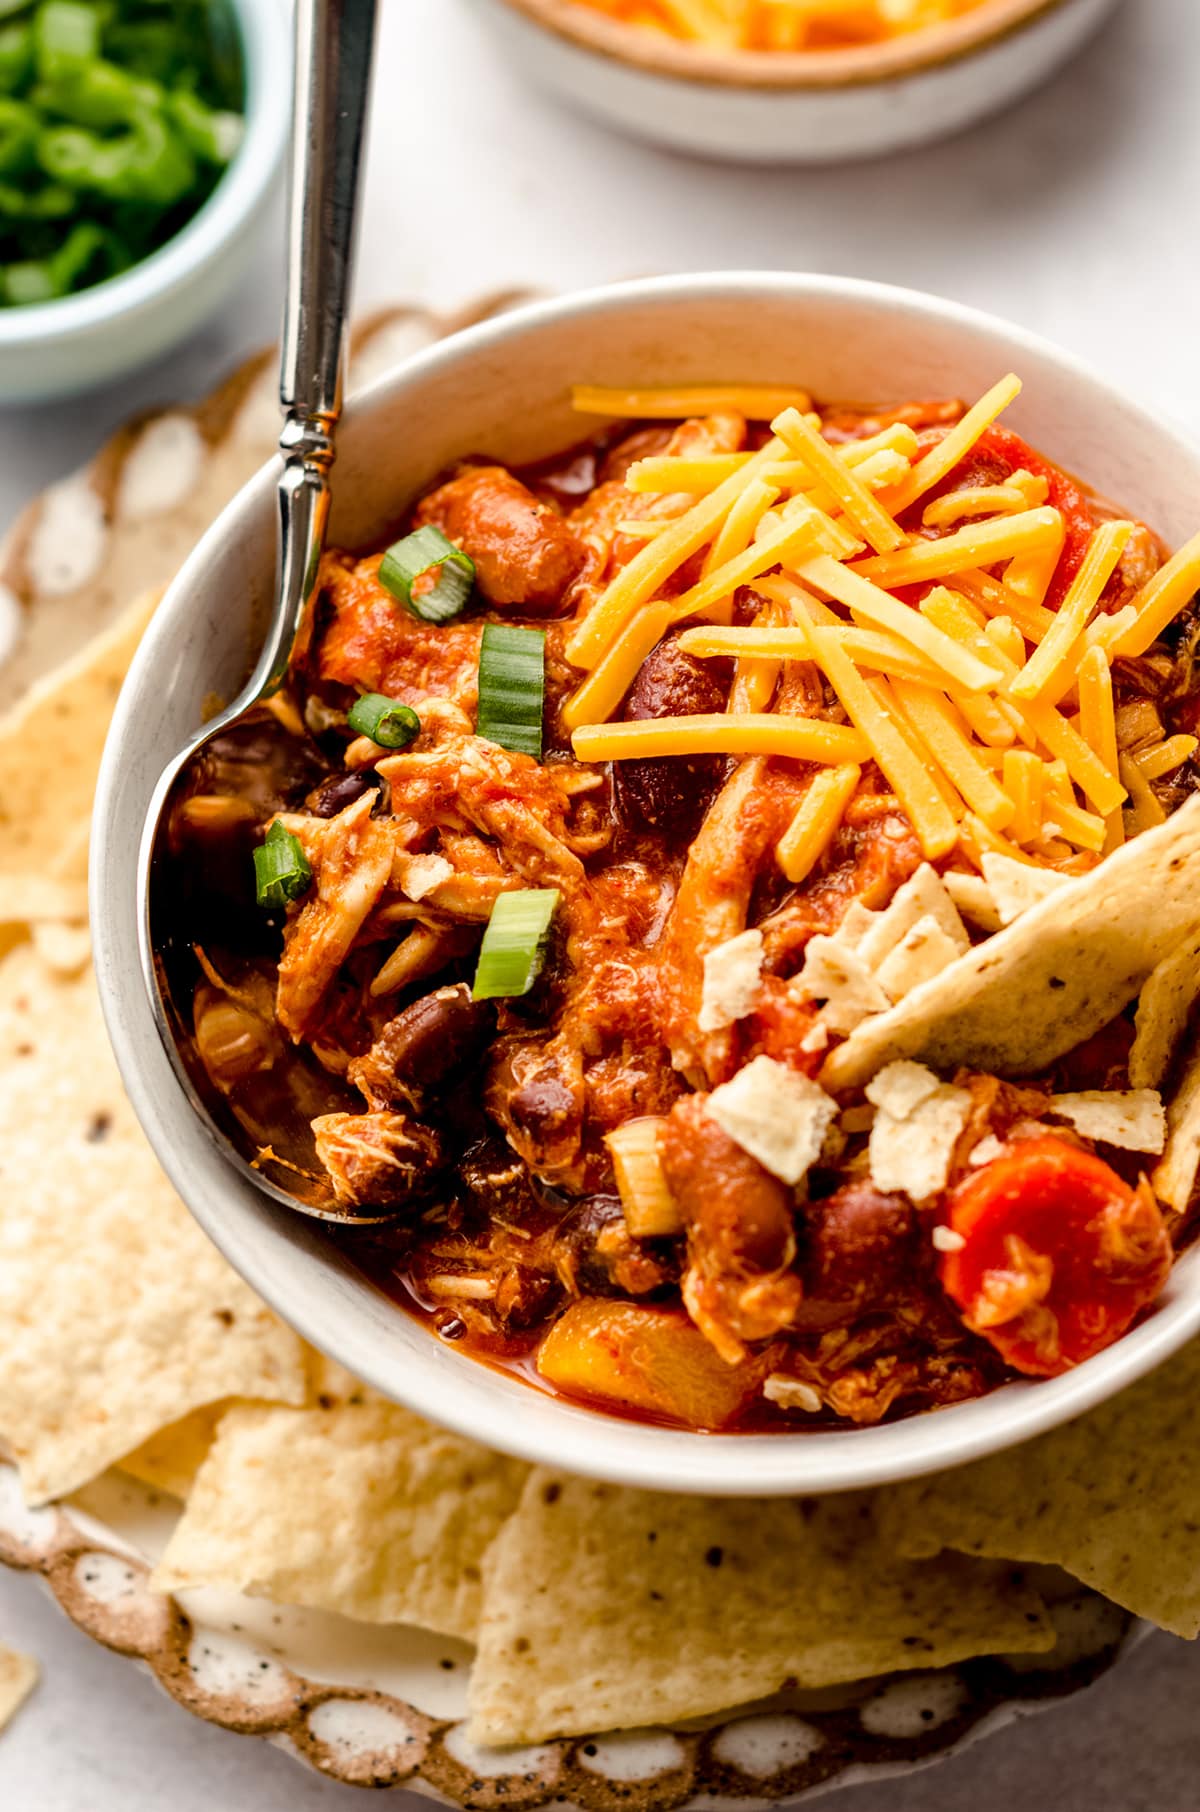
<point>334,40</point>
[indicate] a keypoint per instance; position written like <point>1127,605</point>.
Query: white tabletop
<point>1076,215</point>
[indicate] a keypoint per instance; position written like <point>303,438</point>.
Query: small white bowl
<point>503,389</point>
<point>814,107</point>
<point>54,349</point>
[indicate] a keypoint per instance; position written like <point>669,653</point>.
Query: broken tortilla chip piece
<point>63,719</point>
<point>362,1509</point>
<point>1163,1011</point>
<point>1174,1178</point>
<point>606,1608</point>
<point>117,1316</point>
<point>1110,1499</point>
<point>18,1677</point>
<point>1052,979</point>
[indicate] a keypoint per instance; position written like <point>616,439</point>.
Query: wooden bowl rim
<point>860,66</point>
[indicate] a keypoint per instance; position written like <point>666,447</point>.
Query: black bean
<point>340,790</point>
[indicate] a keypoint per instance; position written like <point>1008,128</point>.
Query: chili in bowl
<point>681,919</point>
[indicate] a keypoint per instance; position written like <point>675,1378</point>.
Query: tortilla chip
<point>1113,1499</point>
<point>32,899</point>
<point>1174,1179</point>
<point>65,949</point>
<point>605,1608</point>
<point>170,1459</point>
<point>1163,1011</point>
<point>117,1317</point>
<point>1065,968</point>
<point>51,742</point>
<point>18,1677</point>
<point>362,1509</point>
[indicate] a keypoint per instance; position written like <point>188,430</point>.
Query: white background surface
<point>1078,214</point>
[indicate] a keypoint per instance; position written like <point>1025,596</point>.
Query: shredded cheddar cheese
<point>1100,562</point>
<point>754,681</point>
<point>978,500</point>
<point>669,474</point>
<point>980,544</point>
<point>1029,576</point>
<point>749,733</point>
<point>1097,726</point>
<point>869,517</point>
<point>757,402</point>
<point>607,684</point>
<point>996,598</point>
<point>817,821</point>
<point>990,715</point>
<point>638,582</point>
<point>954,447</point>
<point>883,611</point>
<point>937,724</point>
<point>909,777</point>
<point>780,25</point>
<point>1024,780</point>
<point>1163,598</point>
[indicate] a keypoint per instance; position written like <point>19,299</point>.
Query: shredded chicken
<point>351,860</point>
<point>377,1160</point>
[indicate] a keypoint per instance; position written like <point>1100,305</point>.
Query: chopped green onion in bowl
<point>117,120</point>
<point>426,552</point>
<point>281,869</point>
<point>385,720</point>
<point>512,687</point>
<point>514,943</point>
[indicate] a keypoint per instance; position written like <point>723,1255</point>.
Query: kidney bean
<point>670,793</point>
<point>860,1255</point>
<point>740,1218</point>
<point>424,1045</point>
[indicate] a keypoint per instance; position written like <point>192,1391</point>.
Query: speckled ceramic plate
<point>384,1706</point>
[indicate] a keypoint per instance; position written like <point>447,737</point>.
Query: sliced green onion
<point>66,36</point>
<point>385,720</point>
<point>99,95</point>
<point>514,944</point>
<point>16,56</point>
<point>281,870</point>
<point>36,201</point>
<point>512,687</point>
<point>19,126</point>
<point>423,552</point>
<point>27,283</point>
<point>212,133</point>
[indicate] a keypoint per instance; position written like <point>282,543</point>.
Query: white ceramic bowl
<point>55,349</point>
<point>502,388</point>
<point>796,106</point>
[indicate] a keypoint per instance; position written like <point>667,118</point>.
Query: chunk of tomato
<point>996,455</point>
<point>1059,1254</point>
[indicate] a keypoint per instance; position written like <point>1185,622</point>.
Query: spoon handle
<point>334,40</point>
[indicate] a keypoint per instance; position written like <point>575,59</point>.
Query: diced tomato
<point>1059,1254</point>
<point>996,455</point>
